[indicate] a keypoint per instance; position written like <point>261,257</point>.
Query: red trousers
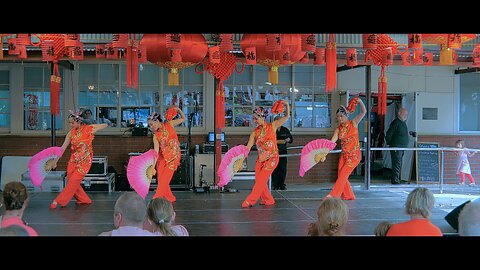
<point>164,176</point>
<point>260,188</point>
<point>342,186</point>
<point>73,188</point>
<point>470,177</point>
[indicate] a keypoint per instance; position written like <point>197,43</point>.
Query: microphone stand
<point>189,143</point>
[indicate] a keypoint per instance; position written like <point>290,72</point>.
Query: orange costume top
<point>414,227</point>
<point>82,151</point>
<point>267,146</point>
<point>348,135</point>
<point>169,146</point>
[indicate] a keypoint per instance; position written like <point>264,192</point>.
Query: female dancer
<point>265,138</point>
<point>81,137</point>
<point>165,142</point>
<point>350,157</point>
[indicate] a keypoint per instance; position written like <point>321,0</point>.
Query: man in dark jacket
<point>278,176</point>
<point>397,136</point>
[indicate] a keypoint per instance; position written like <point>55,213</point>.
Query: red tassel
<point>132,66</point>
<point>331,66</point>
<point>55,80</point>
<point>220,106</point>
<point>382,92</point>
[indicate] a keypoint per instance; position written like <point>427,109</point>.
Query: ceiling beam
<point>345,67</point>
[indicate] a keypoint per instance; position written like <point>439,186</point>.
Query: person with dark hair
<point>81,137</point>
<point>350,157</point>
<point>15,198</point>
<point>87,117</point>
<point>397,136</point>
<point>166,144</point>
<point>279,174</point>
<point>266,141</point>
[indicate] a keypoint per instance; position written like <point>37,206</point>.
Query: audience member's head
<point>15,196</point>
<point>419,202</point>
<point>129,210</point>
<point>469,219</point>
<point>14,230</point>
<point>160,215</point>
<point>382,228</point>
<point>332,218</point>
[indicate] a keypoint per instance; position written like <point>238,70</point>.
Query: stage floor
<point>221,214</point>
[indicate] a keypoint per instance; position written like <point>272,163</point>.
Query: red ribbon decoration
<point>331,68</point>
<point>132,64</point>
<point>382,92</point>
<point>55,80</point>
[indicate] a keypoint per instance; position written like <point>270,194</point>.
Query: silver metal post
<point>441,174</point>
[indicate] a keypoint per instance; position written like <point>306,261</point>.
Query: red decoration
<point>120,40</point>
<point>285,57</point>
<point>55,81</point>
<point>454,41</point>
<point>308,42</point>
<point>250,56</point>
<point>447,42</point>
<point>454,57</point>
<point>278,107</point>
<point>171,113</point>
<point>382,92</point>
<point>304,59</point>
<point>414,41</point>
<point>112,53</point>
<point>270,58</point>
<point>48,51</point>
<point>476,56</point>
<point>274,42</point>
<point>331,68</point>
<point>352,104</point>
<point>23,39</point>
<point>226,44</point>
<point>100,51</point>
<point>387,56</point>
<point>193,49</point>
<point>142,54</point>
<point>417,56</point>
<point>58,44</point>
<point>76,52</point>
<point>12,47</point>
<point>214,54</point>
<point>319,56</point>
<point>173,41</point>
<point>132,64</point>
<point>406,61</point>
<point>22,49</point>
<point>351,56</point>
<point>72,40</point>
<point>428,59</point>
<point>370,41</point>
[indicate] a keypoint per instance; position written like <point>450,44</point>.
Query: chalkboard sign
<point>428,169</point>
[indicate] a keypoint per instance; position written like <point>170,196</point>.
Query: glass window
<point>4,99</point>
<point>469,107</point>
<point>36,99</point>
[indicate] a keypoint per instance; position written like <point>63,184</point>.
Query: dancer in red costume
<point>165,142</point>
<point>350,157</point>
<point>81,137</point>
<point>265,138</point>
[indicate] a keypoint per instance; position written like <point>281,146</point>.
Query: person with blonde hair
<point>332,218</point>
<point>420,202</point>
<point>382,228</point>
<point>160,217</point>
<point>128,216</point>
<point>15,198</point>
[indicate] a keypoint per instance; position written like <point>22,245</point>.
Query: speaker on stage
<point>180,178</point>
<point>452,217</point>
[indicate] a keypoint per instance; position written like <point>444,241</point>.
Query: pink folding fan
<point>41,163</point>
<point>140,170</point>
<point>313,152</point>
<point>231,163</point>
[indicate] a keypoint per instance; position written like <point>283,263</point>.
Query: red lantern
<point>331,66</point>
<point>58,44</point>
<point>226,44</point>
<point>99,51</point>
<point>414,41</point>
<point>176,55</point>
<point>23,39</point>
<point>319,56</point>
<point>351,56</point>
<point>304,59</point>
<point>48,51</point>
<point>214,54</point>
<point>193,49</point>
<point>417,56</point>
<point>285,58</point>
<point>269,58</point>
<point>76,52</point>
<point>454,41</point>
<point>12,47</point>
<point>173,41</point>
<point>428,59</point>
<point>308,42</point>
<point>120,40</point>
<point>476,56</point>
<point>406,61</point>
<point>72,40</point>
<point>55,81</point>
<point>370,41</point>
<point>274,42</point>
<point>250,56</point>
<point>454,57</point>
<point>112,53</point>
<point>22,49</point>
<point>387,56</point>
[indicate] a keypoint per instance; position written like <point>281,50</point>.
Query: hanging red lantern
<point>173,41</point>
<point>100,51</point>
<point>417,56</point>
<point>55,81</point>
<point>414,41</point>
<point>285,57</point>
<point>214,54</point>
<point>193,49</point>
<point>447,42</point>
<point>111,52</point>
<point>23,39</point>
<point>382,92</point>
<point>308,42</point>
<point>132,65</point>
<point>120,40</point>
<point>48,51</point>
<point>176,55</point>
<point>351,56</point>
<point>269,58</point>
<point>250,56</point>
<point>71,40</point>
<point>22,51</point>
<point>12,47</point>
<point>274,42</point>
<point>331,66</point>
<point>370,41</point>
<point>58,44</point>
<point>304,59</point>
<point>226,43</point>
<point>319,56</point>
<point>406,60</point>
<point>76,52</point>
<point>476,56</point>
<point>428,59</point>
<point>454,41</point>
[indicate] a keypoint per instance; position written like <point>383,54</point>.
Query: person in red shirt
<point>166,144</point>
<point>81,137</point>
<point>265,138</point>
<point>419,203</point>
<point>15,198</point>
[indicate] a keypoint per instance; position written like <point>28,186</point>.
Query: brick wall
<point>118,147</point>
